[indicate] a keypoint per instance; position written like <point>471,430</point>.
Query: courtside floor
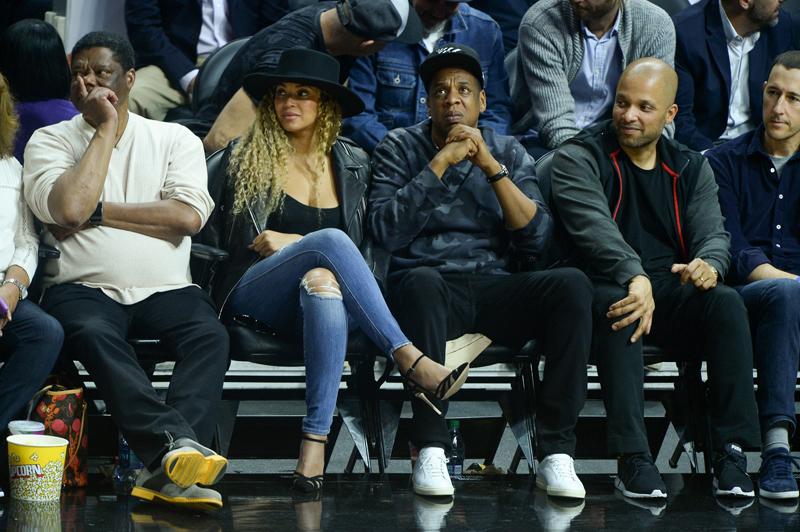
<point>264,502</point>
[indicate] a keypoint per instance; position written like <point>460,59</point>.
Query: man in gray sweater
<point>570,56</point>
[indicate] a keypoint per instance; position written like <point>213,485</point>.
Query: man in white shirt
<point>122,195</point>
<point>173,37</point>
<point>30,340</point>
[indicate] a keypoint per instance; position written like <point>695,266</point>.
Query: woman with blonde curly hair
<point>30,340</point>
<point>293,217</point>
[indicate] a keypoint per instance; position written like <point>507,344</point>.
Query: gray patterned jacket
<point>455,224</point>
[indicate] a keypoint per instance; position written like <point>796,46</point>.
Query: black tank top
<point>297,218</point>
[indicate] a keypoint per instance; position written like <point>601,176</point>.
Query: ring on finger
<point>702,279</point>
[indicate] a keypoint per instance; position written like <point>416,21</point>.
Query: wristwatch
<point>499,175</point>
<point>97,216</point>
<point>23,290</point>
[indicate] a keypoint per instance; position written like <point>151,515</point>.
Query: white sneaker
<point>430,475</point>
<point>556,475</point>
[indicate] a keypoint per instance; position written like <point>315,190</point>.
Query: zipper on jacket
<point>614,155</point>
<point>676,207</point>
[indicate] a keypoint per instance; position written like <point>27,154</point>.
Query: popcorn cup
<point>36,466</point>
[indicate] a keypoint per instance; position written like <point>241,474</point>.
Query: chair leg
<point>515,461</point>
<point>226,419</point>
<point>532,379</point>
<point>351,462</point>
<point>519,410</point>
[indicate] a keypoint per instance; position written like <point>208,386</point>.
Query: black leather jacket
<point>234,232</point>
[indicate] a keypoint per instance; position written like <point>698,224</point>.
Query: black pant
<point>552,306</point>
<point>712,325</point>
<point>96,328</point>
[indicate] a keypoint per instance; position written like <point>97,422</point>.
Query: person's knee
<point>321,283</point>
<point>782,296</point>
<point>605,295</point>
<point>723,302</point>
<point>52,333</point>
<point>328,238</point>
<point>575,287</point>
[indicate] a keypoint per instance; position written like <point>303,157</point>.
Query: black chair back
<point>211,72</point>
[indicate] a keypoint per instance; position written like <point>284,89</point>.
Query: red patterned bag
<point>63,413</point>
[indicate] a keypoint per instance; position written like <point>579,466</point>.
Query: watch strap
<point>499,175</point>
<point>97,216</point>
<point>23,290</point>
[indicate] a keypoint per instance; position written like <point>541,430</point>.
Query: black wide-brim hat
<point>308,67</point>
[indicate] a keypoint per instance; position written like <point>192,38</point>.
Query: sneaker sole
<point>183,502</point>
<point>735,492</point>
<point>188,467</point>
<point>434,492</point>
<point>778,495</point>
<point>655,494</point>
<point>560,492</point>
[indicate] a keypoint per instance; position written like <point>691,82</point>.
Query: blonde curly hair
<point>259,161</point>
<point>8,120</point>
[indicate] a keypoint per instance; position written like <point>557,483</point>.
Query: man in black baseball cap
<point>458,207</point>
<point>451,56</point>
<point>345,28</point>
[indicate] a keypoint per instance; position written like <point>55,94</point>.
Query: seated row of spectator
<point>456,206</point>
<point>567,63</point>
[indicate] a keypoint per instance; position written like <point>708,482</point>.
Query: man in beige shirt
<point>122,195</point>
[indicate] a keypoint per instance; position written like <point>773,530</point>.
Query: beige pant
<point>153,95</point>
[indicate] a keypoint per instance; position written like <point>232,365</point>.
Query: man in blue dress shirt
<point>759,191</point>
<point>390,85</point>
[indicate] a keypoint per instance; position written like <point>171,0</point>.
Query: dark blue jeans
<point>29,347</point>
<point>271,292</point>
<point>774,309</point>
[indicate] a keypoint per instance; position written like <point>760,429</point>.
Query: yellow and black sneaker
<point>156,487</point>
<point>189,463</point>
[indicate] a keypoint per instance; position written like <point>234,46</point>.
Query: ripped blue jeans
<point>318,311</point>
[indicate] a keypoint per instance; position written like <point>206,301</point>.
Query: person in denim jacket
<point>388,82</point>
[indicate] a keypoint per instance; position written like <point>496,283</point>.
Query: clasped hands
<point>466,143</point>
<point>640,305</point>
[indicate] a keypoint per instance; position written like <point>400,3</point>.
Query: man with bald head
<point>643,214</point>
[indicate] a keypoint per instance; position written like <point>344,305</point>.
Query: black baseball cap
<point>382,20</point>
<point>451,56</point>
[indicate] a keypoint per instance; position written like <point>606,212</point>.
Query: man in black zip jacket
<point>642,211</point>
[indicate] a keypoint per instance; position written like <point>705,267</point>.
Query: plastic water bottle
<point>455,462</point>
<point>127,468</point>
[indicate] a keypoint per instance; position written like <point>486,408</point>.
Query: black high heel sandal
<point>446,388</point>
<point>306,484</point>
